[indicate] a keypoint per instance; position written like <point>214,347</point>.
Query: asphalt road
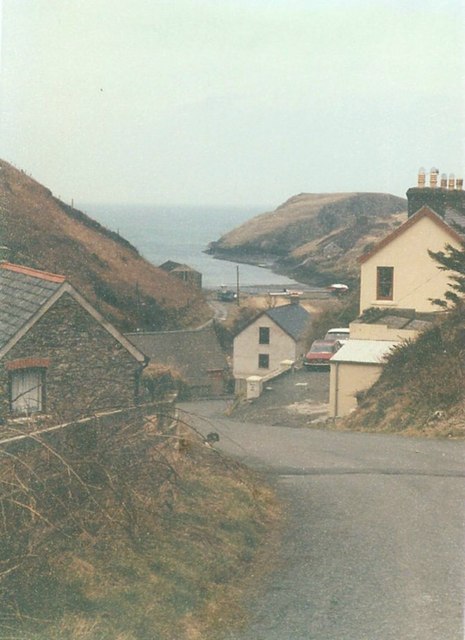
<point>374,538</point>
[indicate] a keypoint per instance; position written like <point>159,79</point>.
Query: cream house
<point>399,280</point>
<point>399,273</point>
<point>354,368</point>
<point>276,336</point>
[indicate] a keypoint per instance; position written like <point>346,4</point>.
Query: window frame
<point>382,280</point>
<point>263,357</point>
<point>22,410</point>
<point>263,335</point>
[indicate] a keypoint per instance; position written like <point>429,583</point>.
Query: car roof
<point>339,330</point>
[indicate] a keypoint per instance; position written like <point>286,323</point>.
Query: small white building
<point>355,367</point>
<point>274,337</point>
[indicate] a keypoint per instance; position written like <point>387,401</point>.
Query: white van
<point>340,334</point>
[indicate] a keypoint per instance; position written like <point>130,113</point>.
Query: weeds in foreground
<point>127,533</point>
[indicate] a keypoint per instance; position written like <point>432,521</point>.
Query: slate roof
<point>170,265</point>
<point>193,352</point>
<point>364,351</point>
<point>23,291</point>
<point>400,319</point>
<point>292,318</point>
<point>453,217</point>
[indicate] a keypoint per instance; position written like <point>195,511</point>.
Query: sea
<point>182,234</point>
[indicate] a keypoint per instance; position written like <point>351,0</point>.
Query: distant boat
<point>286,292</point>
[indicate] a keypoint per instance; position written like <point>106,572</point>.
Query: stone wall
<point>86,368</point>
<point>439,200</point>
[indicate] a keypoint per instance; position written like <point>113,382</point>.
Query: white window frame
<point>27,391</point>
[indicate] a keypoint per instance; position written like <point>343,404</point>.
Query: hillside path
<point>373,547</point>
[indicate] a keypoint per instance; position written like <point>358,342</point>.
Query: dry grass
<point>421,389</point>
<point>158,546</point>
<point>298,232</point>
<point>44,233</point>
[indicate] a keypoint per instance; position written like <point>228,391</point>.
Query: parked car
<point>339,333</point>
<point>321,353</point>
<point>226,295</point>
<point>338,289</point>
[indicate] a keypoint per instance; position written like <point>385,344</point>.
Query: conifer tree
<point>452,259</point>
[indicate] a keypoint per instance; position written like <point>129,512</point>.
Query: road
<point>374,539</point>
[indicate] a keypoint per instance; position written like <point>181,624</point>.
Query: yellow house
<point>398,282</point>
<point>399,273</point>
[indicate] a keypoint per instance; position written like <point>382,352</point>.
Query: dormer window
<point>385,283</point>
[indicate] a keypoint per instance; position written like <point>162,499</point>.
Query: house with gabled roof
<point>399,281</point>
<point>195,353</point>
<point>58,355</point>
<point>275,336</point>
<point>191,277</point>
<point>399,273</point>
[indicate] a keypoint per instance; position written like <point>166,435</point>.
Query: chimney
<point>421,178</point>
<point>449,197</point>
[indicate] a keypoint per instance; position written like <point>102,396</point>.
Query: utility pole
<point>237,285</point>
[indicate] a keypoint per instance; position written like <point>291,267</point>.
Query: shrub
<point>159,380</point>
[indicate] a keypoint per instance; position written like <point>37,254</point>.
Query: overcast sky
<point>231,101</point>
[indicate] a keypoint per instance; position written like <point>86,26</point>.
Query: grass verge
<point>163,556</point>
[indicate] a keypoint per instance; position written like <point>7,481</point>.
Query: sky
<point>231,102</point>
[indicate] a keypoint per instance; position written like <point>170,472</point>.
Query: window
<point>27,391</point>
<point>263,361</point>
<point>264,335</point>
<point>384,283</point>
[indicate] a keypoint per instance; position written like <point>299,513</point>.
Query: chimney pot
<point>421,178</point>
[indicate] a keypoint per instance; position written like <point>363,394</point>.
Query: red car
<point>320,354</point>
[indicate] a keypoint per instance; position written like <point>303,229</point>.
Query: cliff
<point>42,232</point>
<point>315,237</point>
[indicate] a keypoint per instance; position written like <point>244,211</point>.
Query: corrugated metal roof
<point>292,318</point>
<point>364,351</point>
<point>22,294</point>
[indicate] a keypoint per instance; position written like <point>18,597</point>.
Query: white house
<point>277,335</point>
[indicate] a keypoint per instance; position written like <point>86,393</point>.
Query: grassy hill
<point>316,237</point>
<point>421,390</point>
<point>44,233</point>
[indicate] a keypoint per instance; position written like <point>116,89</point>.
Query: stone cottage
<point>58,356</point>
<point>183,272</point>
<point>195,353</point>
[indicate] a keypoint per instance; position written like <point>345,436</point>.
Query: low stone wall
<point>252,387</point>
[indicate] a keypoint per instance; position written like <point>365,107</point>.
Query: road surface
<point>374,538</point>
